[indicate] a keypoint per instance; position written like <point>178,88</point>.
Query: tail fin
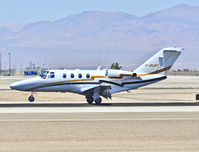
<point>160,63</point>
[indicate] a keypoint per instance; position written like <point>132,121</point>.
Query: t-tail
<point>160,63</point>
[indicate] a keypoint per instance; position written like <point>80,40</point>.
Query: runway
<point>104,108</point>
<point>45,126</point>
<point>78,117</point>
<point>33,128</point>
<point>45,111</point>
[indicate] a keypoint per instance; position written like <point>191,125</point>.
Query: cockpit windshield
<point>44,74</point>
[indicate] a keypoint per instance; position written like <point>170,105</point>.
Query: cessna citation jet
<point>96,83</point>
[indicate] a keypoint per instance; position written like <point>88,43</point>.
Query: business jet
<point>94,84</point>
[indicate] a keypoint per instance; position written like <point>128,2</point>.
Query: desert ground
<point>174,89</point>
<point>64,122</point>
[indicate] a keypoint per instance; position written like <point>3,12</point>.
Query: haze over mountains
<point>97,37</point>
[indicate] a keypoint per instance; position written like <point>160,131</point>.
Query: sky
<point>28,11</point>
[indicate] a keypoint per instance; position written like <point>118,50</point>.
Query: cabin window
<point>72,75</point>
<point>51,75</point>
<point>87,75</point>
<point>64,75</point>
<point>80,75</point>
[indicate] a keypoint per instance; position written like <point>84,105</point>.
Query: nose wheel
<point>31,98</point>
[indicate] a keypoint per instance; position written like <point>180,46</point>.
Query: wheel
<point>89,100</point>
<point>31,99</point>
<point>98,101</point>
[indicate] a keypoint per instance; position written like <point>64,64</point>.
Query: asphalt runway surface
<point>108,127</point>
<point>106,107</point>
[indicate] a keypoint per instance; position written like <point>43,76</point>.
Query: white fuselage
<point>96,83</point>
<point>78,81</point>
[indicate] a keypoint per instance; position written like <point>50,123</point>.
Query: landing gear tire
<point>90,100</point>
<point>31,99</point>
<point>98,101</point>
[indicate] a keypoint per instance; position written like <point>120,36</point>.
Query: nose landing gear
<point>31,98</point>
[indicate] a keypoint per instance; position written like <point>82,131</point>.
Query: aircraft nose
<point>14,86</point>
<point>20,85</point>
<point>24,85</point>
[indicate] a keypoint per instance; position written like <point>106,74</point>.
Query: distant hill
<point>98,37</point>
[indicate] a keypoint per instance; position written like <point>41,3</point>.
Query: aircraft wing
<point>85,89</point>
<point>102,90</point>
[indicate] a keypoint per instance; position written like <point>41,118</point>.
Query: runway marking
<point>100,109</point>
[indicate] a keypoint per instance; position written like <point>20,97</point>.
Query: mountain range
<point>97,37</point>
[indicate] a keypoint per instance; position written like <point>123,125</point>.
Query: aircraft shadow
<point>102,105</point>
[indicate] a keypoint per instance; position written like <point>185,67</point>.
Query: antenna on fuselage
<point>99,67</point>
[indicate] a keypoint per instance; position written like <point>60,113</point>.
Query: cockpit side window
<point>51,75</point>
<point>44,74</point>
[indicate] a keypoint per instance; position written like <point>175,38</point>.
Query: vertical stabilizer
<point>160,63</point>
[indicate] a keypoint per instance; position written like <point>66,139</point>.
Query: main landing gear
<point>31,98</point>
<point>97,101</point>
<point>89,100</point>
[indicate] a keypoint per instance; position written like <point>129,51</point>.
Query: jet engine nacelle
<point>119,74</point>
<point>114,73</point>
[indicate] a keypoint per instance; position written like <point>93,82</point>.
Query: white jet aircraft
<point>96,83</point>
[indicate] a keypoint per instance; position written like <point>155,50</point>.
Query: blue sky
<point>27,11</point>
